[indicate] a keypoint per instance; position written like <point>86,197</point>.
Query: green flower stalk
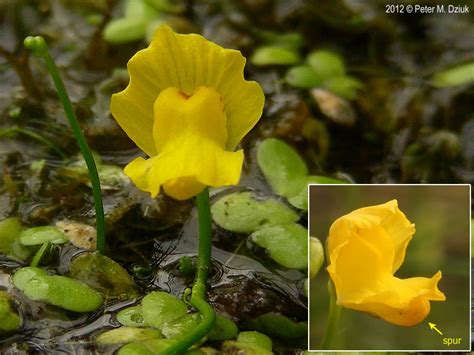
<point>198,294</point>
<point>40,49</point>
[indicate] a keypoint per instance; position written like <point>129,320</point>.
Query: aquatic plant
<point>187,106</point>
<point>375,239</point>
<point>324,69</point>
<point>287,173</point>
<point>40,49</point>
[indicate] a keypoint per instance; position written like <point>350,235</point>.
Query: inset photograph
<point>390,267</point>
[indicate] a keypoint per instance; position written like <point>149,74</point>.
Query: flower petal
<point>142,173</point>
<point>356,268</point>
<point>186,62</point>
<point>388,216</point>
<point>190,134</point>
<point>366,247</point>
<point>404,301</point>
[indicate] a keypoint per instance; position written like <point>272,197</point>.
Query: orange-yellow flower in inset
<point>366,247</point>
<point>187,106</point>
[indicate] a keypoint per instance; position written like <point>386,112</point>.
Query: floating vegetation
<point>153,195</point>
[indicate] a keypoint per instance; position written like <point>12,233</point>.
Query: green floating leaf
<point>316,256</point>
<point>278,325</point>
<point>326,64</point>
<point>255,338</point>
<point>59,291</point>
<point>458,75</point>
<point>286,172</point>
<point>287,244</point>
<point>168,6</point>
<point>180,326</point>
<point>124,335</point>
<point>160,308</point>
<point>111,177</point>
<point>147,347</point>
<point>344,86</point>
<point>240,347</point>
<point>41,235</point>
<point>132,317</point>
<point>280,164</point>
<point>303,76</point>
<point>26,274</point>
<point>224,329</point>
<point>298,189</point>
<point>10,231</point>
<point>102,274</point>
<point>286,40</point>
<point>240,212</point>
<point>235,347</point>
<point>202,351</point>
<point>186,266</point>
<point>133,25</point>
<point>9,318</point>
<point>274,55</point>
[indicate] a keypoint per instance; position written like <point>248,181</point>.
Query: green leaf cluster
<point>324,69</point>
<point>60,291</point>
<point>169,316</point>
<point>271,223</point>
<point>287,173</point>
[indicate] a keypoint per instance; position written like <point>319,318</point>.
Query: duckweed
<point>160,308</point>
<point>241,212</point>
<point>10,319</point>
<point>287,244</point>
<point>102,274</point>
<point>59,291</point>
<point>224,329</point>
<point>124,335</point>
<point>274,56</point>
<point>279,325</point>
<point>10,231</point>
<point>132,317</point>
<point>41,235</point>
<point>286,172</point>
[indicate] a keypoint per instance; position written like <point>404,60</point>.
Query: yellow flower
<point>366,247</point>
<point>187,106</point>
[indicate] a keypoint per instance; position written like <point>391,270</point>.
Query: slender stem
<point>198,293</point>
<point>40,49</point>
<point>35,136</point>
<point>333,318</point>
<point>39,254</point>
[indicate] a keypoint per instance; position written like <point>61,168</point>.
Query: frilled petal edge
<point>186,62</point>
<point>404,302</point>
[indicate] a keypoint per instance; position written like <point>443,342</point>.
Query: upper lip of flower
<point>185,62</point>
<point>187,150</point>
<point>365,249</point>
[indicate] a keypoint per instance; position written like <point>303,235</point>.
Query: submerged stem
<point>35,136</point>
<point>39,254</point>
<point>40,49</point>
<point>333,318</point>
<point>198,293</point>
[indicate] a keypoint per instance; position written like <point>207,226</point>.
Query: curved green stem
<point>39,254</point>
<point>333,318</point>
<point>198,293</point>
<point>40,49</point>
<point>35,136</point>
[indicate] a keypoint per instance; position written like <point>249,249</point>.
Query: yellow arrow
<point>433,326</point>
